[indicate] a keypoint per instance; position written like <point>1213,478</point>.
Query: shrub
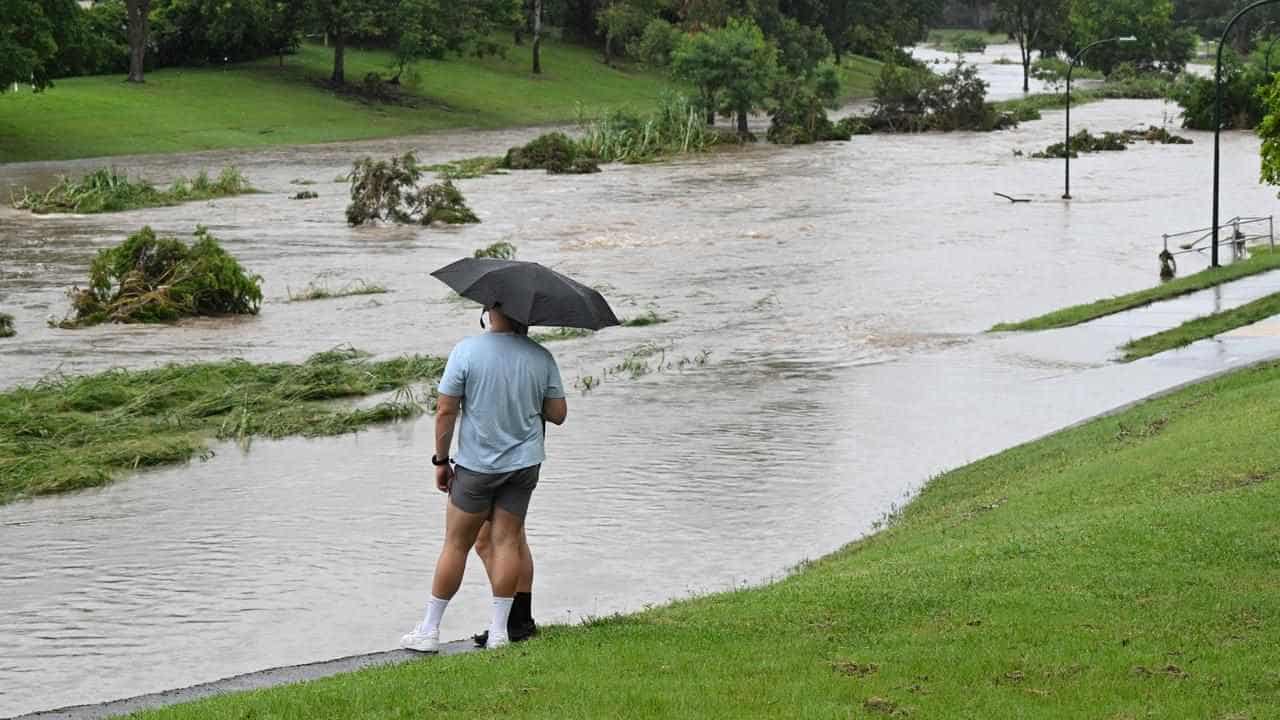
<point>387,190</point>
<point>149,279</point>
<point>6,326</point>
<point>500,250</point>
<point>1242,103</point>
<point>913,99</point>
<point>542,153</point>
<point>970,43</point>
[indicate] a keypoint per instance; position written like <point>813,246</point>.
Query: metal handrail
<point>1237,240</point>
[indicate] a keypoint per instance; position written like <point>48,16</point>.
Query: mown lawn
<point>1123,569</point>
<point>261,103</point>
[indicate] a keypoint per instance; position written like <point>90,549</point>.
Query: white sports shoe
<point>496,641</point>
<point>421,641</point>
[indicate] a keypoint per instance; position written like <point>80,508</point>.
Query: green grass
<point>1123,569</point>
<point>469,168</point>
<point>258,104</point>
<point>561,333</point>
<point>1203,327</point>
<point>858,77</point>
<point>69,433</point>
<point>320,289</point>
<point>1261,260</point>
<point>650,317</point>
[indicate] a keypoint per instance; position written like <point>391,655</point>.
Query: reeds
<point>107,190</point>
<point>677,126</point>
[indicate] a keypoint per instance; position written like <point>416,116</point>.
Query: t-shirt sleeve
<point>454,380</point>
<point>555,387</point>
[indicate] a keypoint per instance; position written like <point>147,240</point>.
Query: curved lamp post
<point>1075,61</point>
<point>1217,120</point>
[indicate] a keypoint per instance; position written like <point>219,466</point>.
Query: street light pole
<point>1217,121</point>
<point>1071,68</point>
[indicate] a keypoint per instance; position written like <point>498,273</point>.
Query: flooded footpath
<point>837,295</point>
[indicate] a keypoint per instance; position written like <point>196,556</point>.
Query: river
<point>839,293</point>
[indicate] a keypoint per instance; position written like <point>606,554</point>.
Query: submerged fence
<point>1243,230</point>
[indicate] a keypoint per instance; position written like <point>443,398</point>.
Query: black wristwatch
<point>438,463</point>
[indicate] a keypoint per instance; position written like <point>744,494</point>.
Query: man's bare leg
<point>461,529</point>
<point>521,624</point>
<point>505,535</point>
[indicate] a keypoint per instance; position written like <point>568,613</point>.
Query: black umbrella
<point>528,293</point>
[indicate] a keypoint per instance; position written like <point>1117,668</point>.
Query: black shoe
<point>518,633</point>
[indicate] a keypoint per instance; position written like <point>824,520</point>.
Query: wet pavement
<point>841,291</point>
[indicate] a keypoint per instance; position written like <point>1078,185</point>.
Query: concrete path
<point>240,683</point>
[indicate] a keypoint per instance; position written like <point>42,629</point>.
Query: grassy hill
<point>260,103</point>
<point>1123,569</point>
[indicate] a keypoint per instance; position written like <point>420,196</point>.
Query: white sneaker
<point>421,641</point>
<point>497,641</point>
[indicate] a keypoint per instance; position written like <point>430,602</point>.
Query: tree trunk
<point>608,50</point>
<point>1026,63</point>
<point>711,117</point>
<point>537,37</point>
<point>139,15</point>
<point>743,130</point>
<point>339,58</point>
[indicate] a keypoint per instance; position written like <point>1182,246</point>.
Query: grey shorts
<point>475,492</point>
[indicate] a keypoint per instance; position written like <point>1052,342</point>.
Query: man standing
<point>504,386</point>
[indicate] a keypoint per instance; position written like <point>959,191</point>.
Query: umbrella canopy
<point>528,293</point>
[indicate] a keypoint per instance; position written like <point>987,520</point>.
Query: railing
<point>1243,231</point>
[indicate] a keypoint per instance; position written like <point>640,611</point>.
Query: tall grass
<point>107,190</point>
<point>68,433</point>
<point>677,126</point>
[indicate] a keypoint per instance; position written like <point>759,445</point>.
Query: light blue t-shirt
<point>502,379</point>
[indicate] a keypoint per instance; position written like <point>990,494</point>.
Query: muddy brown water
<point>840,291</point>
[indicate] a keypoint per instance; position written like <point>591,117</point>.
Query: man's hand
<point>444,477</point>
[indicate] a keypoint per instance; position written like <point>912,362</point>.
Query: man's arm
<point>447,409</point>
<point>555,410</point>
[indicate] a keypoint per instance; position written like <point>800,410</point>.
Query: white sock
<point>501,613</point>
<point>435,612</point>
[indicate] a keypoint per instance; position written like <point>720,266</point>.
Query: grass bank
<point>1260,260</point>
<point>70,433</point>
<point>1203,327</point>
<point>261,104</point>
<point>1122,569</point>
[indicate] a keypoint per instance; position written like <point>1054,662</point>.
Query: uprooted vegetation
<point>500,250</point>
<point>108,190</point>
<point>645,319</point>
<point>469,168</point>
<point>387,190</point>
<point>151,279</point>
<point>304,195</point>
<point>320,289</point>
<point>69,433</point>
<point>560,333</point>
<point>6,326</point>
<point>1083,142</point>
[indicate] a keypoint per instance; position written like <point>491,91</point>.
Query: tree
<point>732,67</point>
<point>1030,21</point>
<point>284,26</point>
<point>139,14</point>
<point>1269,131</point>
<point>35,36</point>
<point>1160,45</point>
<point>621,20</point>
<point>537,37</point>
<point>436,28</point>
<point>341,20</point>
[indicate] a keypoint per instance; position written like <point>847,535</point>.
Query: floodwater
<point>841,291</point>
